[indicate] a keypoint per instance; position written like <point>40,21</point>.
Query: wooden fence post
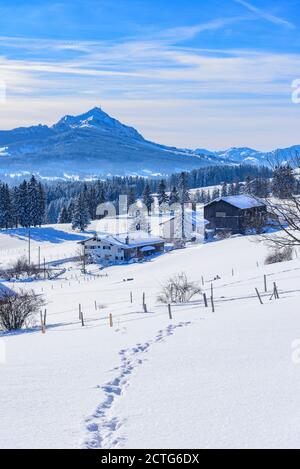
<point>205,300</point>
<point>265,283</point>
<point>212,304</point>
<point>170,311</point>
<point>82,320</point>
<point>110,320</point>
<point>259,297</point>
<point>276,295</point>
<point>42,323</point>
<point>131,297</point>
<point>45,318</point>
<point>79,311</point>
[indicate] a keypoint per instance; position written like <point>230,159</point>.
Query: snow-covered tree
<point>161,193</point>
<point>174,196</point>
<point>224,190</point>
<point>81,215</point>
<point>5,206</point>
<point>131,197</point>
<point>63,216</point>
<point>23,204</point>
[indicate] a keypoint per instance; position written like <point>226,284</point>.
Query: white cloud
<point>265,14</point>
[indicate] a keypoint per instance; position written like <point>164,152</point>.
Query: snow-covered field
<point>55,242</point>
<point>203,379</point>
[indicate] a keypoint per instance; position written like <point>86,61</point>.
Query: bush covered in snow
<point>178,289</point>
<point>19,310</point>
<point>279,255</point>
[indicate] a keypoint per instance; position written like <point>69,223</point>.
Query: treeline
<point>23,205</point>
<point>33,203</point>
<point>62,196</point>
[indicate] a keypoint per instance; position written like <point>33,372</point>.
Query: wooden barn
<point>232,214</point>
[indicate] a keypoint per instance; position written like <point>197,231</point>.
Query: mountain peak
<point>99,120</point>
<point>93,114</point>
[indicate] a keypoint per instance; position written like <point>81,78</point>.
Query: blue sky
<point>193,74</point>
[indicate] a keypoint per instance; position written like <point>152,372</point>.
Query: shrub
<point>19,310</point>
<point>280,255</point>
<point>19,269</point>
<point>223,234</point>
<point>178,289</point>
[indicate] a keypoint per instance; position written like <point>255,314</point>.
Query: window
<point>220,214</point>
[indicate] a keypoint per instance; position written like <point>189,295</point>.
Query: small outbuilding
<point>234,214</point>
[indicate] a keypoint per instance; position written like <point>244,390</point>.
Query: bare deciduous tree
<point>178,289</point>
<point>280,255</point>
<point>19,310</point>
<point>285,211</point>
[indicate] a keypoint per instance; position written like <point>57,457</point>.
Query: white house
<point>122,248</point>
<point>194,226</point>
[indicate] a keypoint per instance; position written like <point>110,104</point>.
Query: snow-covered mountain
<point>245,155</point>
<point>95,144</point>
<point>91,144</point>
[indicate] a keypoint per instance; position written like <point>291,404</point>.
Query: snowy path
<point>102,427</point>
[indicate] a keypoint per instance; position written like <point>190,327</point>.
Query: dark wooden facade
<point>223,216</point>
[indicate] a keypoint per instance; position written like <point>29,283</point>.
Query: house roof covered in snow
<point>127,240</point>
<point>242,202</point>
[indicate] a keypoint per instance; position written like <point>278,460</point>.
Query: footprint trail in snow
<point>101,429</point>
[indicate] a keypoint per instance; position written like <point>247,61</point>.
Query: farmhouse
<point>122,248</point>
<point>234,214</point>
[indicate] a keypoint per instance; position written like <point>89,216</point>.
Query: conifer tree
<point>81,215</point>
<point>174,196</point>
<point>63,216</point>
<point>161,193</point>
<point>147,197</point>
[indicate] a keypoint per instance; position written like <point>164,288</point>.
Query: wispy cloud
<point>127,75</point>
<point>265,14</point>
<point>147,68</point>
<point>188,32</point>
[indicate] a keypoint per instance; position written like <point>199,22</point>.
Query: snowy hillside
<point>201,379</point>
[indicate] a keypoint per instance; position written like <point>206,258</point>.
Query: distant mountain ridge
<point>250,156</point>
<point>95,144</point>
